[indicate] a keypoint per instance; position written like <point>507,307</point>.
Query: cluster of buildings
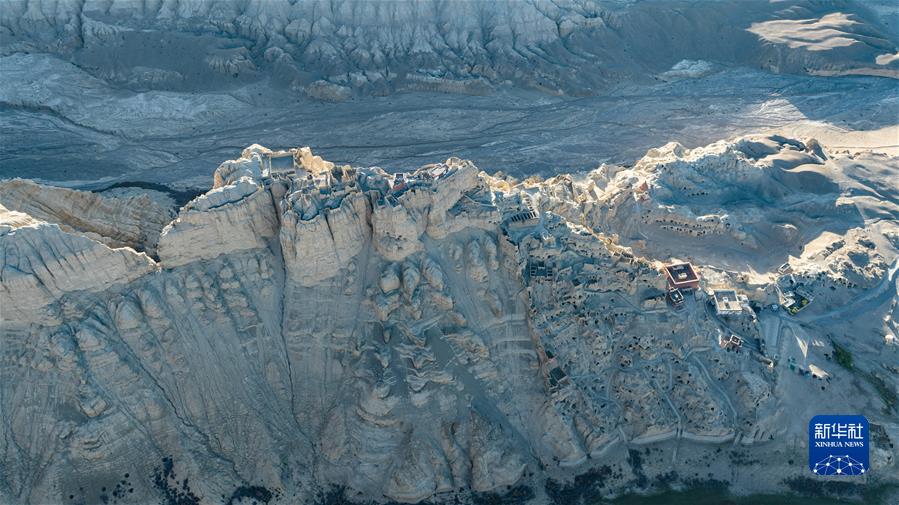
<point>315,184</point>
<point>729,306</point>
<point>682,278</point>
<point>601,311</point>
<point>792,295</point>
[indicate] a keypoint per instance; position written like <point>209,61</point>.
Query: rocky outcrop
<point>117,222</point>
<point>439,336</point>
<point>318,248</point>
<point>231,218</point>
<point>494,464</point>
<point>248,165</point>
<point>752,193</point>
<point>395,233</point>
<point>40,264</point>
<point>462,178</point>
<point>371,48</point>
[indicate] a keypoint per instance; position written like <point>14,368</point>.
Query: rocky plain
<point>466,296</point>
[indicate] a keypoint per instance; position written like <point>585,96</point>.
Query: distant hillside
<point>334,50</point>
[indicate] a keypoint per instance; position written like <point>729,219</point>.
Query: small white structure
<point>730,342</point>
<point>727,302</point>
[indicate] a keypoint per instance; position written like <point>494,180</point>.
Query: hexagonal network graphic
<point>839,465</point>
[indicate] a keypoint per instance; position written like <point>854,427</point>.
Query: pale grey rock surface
<point>355,338</point>
<point>132,221</point>
<point>161,92</point>
<point>228,219</point>
<point>41,263</point>
<point>291,344</point>
<point>336,50</point>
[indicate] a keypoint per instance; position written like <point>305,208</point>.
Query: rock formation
<point>331,53</point>
<point>117,222</point>
<point>322,333</point>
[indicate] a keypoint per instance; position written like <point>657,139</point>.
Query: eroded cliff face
<point>334,51</point>
<point>333,332</point>
<point>133,222</point>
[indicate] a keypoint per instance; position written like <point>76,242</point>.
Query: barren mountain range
<point>542,252</point>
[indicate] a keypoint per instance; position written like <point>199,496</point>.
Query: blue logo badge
<point>838,445</point>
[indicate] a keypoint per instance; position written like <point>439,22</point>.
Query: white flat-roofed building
<point>727,302</point>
